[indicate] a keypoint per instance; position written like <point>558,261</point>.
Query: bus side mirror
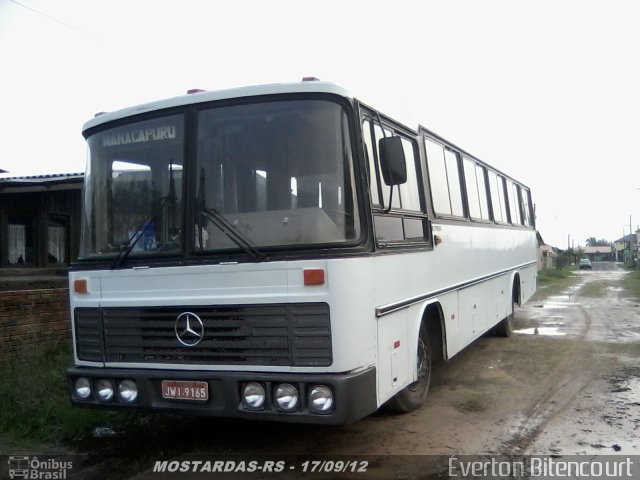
<point>392,162</point>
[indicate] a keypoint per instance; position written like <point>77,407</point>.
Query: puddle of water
<point>555,324</point>
<point>547,331</point>
<point>564,297</point>
<point>555,305</point>
<point>564,300</point>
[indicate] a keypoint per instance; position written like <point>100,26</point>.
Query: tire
<point>505,327</point>
<point>414,395</point>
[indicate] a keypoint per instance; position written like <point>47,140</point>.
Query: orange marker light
<point>314,276</point>
<point>80,286</point>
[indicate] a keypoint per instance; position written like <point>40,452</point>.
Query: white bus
<point>285,252</point>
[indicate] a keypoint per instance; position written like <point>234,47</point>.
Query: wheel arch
<point>432,317</point>
<point>516,295</point>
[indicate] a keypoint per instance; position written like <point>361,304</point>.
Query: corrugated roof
<point>37,179</point>
<point>42,181</point>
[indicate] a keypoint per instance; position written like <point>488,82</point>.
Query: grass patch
<point>631,283</point>
<point>631,349</point>
<point>553,281</point>
<point>550,275</point>
<point>34,401</point>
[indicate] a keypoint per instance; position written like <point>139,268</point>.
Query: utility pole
<point>631,238</point>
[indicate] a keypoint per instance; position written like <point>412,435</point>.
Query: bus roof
<point>313,86</point>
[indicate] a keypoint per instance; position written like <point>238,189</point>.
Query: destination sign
<point>139,135</point>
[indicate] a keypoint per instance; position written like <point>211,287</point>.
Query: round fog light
<point>128,391</point>
<point>287,397</point>
<point>253,396</point>
<point>320,399</point>
<point>105,390</point>
<point>83,388</point>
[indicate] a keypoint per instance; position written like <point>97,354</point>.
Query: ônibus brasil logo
<point>35,468</point>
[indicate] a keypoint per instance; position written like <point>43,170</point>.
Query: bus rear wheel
<point>505,327</point>
<point>414,395</point>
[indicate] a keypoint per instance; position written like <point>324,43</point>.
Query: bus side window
<point>444,179</point>
<point>514,207</point>
<point>371,163</point>
<point>406,222</point>
<point>471,183</point>
<point>526,207</point>
<point>395,201</point>
<point>438,177</point>
<point>497,197</point>
<point>409,191</point>
<point>482,192</point>
<point>453,180</point>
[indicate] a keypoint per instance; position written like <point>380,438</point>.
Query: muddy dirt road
<point>567,382</point>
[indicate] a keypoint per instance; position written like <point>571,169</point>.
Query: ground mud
<point>566,382</point>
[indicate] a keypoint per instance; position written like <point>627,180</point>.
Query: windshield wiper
<point>234,235</point>
<point>146,223</point>
<point>140,231</point>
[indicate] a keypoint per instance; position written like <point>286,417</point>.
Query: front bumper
<point>354,393</point>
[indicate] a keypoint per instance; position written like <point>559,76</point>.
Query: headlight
<point>105,390</point>
<point>83,388</point>
<point>320,399</point>
<point>128,391</point>
<point>287,397</point>
<point>253,396</point>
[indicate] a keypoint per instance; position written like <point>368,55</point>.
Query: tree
<point>593,242</point>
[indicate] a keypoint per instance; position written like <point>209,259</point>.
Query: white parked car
<point>585,264</point>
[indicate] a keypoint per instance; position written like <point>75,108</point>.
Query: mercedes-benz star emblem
<point>189,329</point>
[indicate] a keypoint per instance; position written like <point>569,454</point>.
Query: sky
<point>546,91</point>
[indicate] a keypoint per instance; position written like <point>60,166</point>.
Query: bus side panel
<point>484,305</point>
<point>472,313</point>
<point>353,326</point>
<point>394,349</point>
<point>528,282</point>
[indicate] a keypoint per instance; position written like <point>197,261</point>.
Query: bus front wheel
<point>414,395</point>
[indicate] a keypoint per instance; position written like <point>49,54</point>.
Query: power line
<point>68,25</point>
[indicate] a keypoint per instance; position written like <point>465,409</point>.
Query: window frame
<point>475,166</point>
<point>491,222</point>
<point>528,217</point>
<point>505,206</point>
<point>381,211</point>
<point>34,223</point>
<point>361,245</point>
<point>458,159</point>
<point>65,221</point>
<point>517,202</point>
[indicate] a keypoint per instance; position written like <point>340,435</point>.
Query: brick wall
<point>33,317</point>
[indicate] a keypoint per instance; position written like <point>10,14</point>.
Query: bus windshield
<point>276,174</point>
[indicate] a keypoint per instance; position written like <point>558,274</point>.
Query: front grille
<point>281,335</point>
<point>88,331</point>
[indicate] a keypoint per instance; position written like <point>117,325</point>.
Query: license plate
<point>185,390</point>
